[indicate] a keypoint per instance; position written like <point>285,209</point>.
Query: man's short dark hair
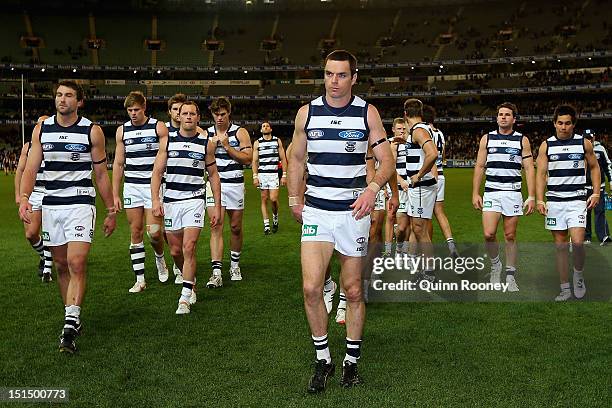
<point>72,85</point>
<point>563,110</point>
<point>508,105</point>
<point>220,103</point>
<point>343,55</point>
<point>177,98</point>
<point>429,114</point>
<point>413,108</point>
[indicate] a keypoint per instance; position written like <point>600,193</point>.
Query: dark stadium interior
<point>461,57</point>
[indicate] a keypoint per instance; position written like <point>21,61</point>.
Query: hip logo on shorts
<point>488,204</point>
<point>168,222</point>
<point>551,221</point>
<point>309,230</point>
<point>127,201</point>
<point>45,236</point>
<point>210,200</point>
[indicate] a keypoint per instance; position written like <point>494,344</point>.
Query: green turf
<point>248,344</point>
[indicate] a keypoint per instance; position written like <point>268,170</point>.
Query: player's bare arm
<point>244,154</point>
<point>28,179</point>
<point>159,167</point>
<point>479,171</point>
<point>297,157</point>
<point>19,171</point>
<point>283,158</point>
<point>255,164</point>
<point>541,170</point>
<point>98,157</point>
<point>530,176</point>
<point>591,160</point>
<point>118,168</point>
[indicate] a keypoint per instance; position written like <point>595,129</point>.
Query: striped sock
<point>353,350</point>
<point>322,348</point>
<point>342,303</point>
<point>216,267</point>
<point>137,253</point>
<point>48,260</point>
<point>451,244</point>
<point>275,219</point>
<point>510,270</point>
<point>234,258</point>
<point>39,247</point>
<point>73,317</point>
<point>266,223</point>
<point>186,291</point>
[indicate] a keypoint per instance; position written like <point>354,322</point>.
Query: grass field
<point>248,344</point>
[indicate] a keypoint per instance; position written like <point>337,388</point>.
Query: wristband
<point>24,195</point>
<point>255,176</point>
<point>293,201</point>
<point>594,195</point>
<point>541,202</point>
<point>284,174</point>
<point>374,187</point>
<point>530,198</point>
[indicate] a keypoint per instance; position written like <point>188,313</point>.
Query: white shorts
<point>509,203</point>
<point>184,214</point>
<point>36,200</point>
<point>566,214</point>
<point>268,181</point>
<point>68,224</point>
<point>403,201</point>
<point>441,184</point>
<point>232,196</point>
<point>349,236</point>
<point>379,204</point>
<point>137,195</point>
<point>421,201</point>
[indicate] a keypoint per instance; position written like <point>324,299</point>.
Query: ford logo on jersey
<point>73,147</point>
<point>315,134</point>
<point>197,156</point>
<point>351,134</point>
<point>148,140</point>
<point>575,156</point>
<point>554,157</point>
<point>173,153</point>
<point>510,150</point>
<point>234,143</point>
<point>47,146</point>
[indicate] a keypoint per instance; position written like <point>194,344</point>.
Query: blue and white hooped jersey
<point>141,146</point>
<point>39,185</point>
<point>415,156</point>
<point>337,144</point>
<point>170,127</point>
<point>439,141</point>
<point>68,163</point>
<point>268,155</point>
<point>566,169</point>
<point>400,162</point>
<point>185,168</point>
<point>230,171</point>
<point>504,162</point>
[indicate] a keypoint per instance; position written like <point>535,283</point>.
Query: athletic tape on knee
<point>153,229</point>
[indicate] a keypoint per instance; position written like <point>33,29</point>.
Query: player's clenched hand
<point>158,208</point>
<point>256,181</point>
<point>477,202</point>
<point>25,209</point>
<point>296,211</point>
<point>364,204</point>
<point>404,184</point>
<point>215,216</point>
<point>393,204</point>
<point>110,223</point>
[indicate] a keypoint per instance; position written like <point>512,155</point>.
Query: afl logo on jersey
<point>73,147</point>
<point>492,149</point>
<point>575,156</point>
<point>197,156</point>
<point>351,134</point>
<point>554,157</point>
<point>128,141</point>
<point>148,140</point>
<point>315,134</point>
<point>510,150</point>
<point>173,153</point>
<point>47,146</point>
